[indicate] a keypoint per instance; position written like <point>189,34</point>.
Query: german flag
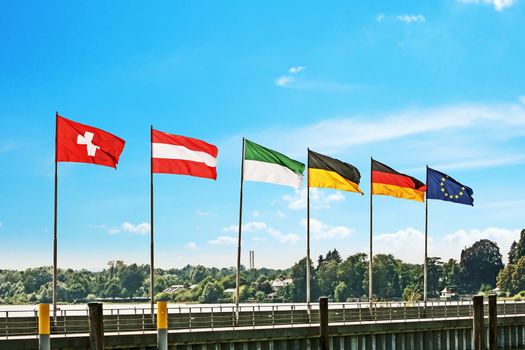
<point>327,172</point>
<point>388,182</point>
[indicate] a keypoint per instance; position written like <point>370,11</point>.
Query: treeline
<point>480,268</point>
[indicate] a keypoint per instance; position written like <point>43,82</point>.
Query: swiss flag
<point>81,143</point>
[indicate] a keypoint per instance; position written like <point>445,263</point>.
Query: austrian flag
<point>81,143</point>
<point>175,154</point>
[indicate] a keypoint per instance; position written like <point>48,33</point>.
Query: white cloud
<point>280,214</point>
<point>140,229</point>
<point>223,240</point>
<point>319,199</point>
<point>411,18</point>
<point>191,246</point>
<point>380,17</point>
<point>259,226</point>
<point>296,69</point>
<point>1,224</point>
<point>256,214</point>
<point>284,80</point>
<point>320,230</point>
<point>456,124</point>
<point>499,5</point>
<point>408,244</point>
<point>204,213</point>
<point>522,99</point>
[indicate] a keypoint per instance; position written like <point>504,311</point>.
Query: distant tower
<point>252,259</point>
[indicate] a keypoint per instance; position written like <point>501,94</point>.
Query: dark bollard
<point>478,339</point>
<point>323,317</point>
<point>493,322</point>
<point>96,326</point>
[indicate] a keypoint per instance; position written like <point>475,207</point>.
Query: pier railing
<point>70,321</point>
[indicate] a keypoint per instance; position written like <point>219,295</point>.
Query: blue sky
<point>408,82</point>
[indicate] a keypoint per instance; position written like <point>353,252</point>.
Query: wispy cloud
<point>205,213</point>
<point>191,246</point>
<point>296,69</point>
<point>140,229</point>
<point>522,99</point>
<point>320,230</point>
<point>259,226</point>
<point>223,240</point>
<point>499,5</point>
<point>284,80</point>
<point>411,18</point>
<point>380,17</point>
<point>319,199</point>
<point>293,80</point>
<point>461,125</point>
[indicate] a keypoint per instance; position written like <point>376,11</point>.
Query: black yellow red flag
<point>386,181</point>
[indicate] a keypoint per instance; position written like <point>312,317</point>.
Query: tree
<point>352,271</point>
<point>131,280</point>
<point>453,276</point>
<point>386,278</point>
<point>517,249</point>
<point>512,278</point>
<point>211,293</point>
<point>198,274</point>
<point>341,293</point>
<point>327,277</point>
<point>482,262</point>
<point>297,290</point>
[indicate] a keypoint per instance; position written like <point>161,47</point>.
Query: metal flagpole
<point>152,261</point>
<point>308,287</point>
<point>371,229</point>
<point>425,272</point>
<point>238,277</point>
<point>55,237</point>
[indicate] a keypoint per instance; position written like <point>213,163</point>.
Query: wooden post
<point>478,342</point>
<point>493,322</point>
<point>43,327</point>
<point>96,326</point>
<point>323,326</point>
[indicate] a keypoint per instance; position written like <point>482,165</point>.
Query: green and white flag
<point>264,165</point>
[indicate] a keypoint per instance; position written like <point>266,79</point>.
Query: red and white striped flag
<point>175,154</point>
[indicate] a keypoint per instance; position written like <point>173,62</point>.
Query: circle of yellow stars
<point>450,195</point>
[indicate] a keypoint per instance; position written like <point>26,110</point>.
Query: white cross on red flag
<point>81,143</point>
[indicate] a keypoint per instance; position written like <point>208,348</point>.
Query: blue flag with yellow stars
<point>443,187</point>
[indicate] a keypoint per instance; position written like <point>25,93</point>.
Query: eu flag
<point>443,187</point>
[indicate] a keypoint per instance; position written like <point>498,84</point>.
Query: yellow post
<point>44,328</point>
<point>162,325</point>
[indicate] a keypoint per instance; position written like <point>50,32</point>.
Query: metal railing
<point>117,320</point>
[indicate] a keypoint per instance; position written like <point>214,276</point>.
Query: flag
<point>265,165</point>
<point>175,154</point>
<point>386,181</point>
<point>443,187</point>
<point>327,172</point>
<point>81,143</point>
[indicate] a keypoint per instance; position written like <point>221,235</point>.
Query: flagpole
<point>152,259</point>
<point>308,287</point>
<point>55,236</point>
<point>370,290</point>
<point>425,272</point>
<point>238,277</point>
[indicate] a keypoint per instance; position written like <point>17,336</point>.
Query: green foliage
<point>481,264</point>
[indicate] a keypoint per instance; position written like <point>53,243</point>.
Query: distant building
<point>230,291</point>
<point>280,283</point>
<point>173,288</point>
<point>447,294</point>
